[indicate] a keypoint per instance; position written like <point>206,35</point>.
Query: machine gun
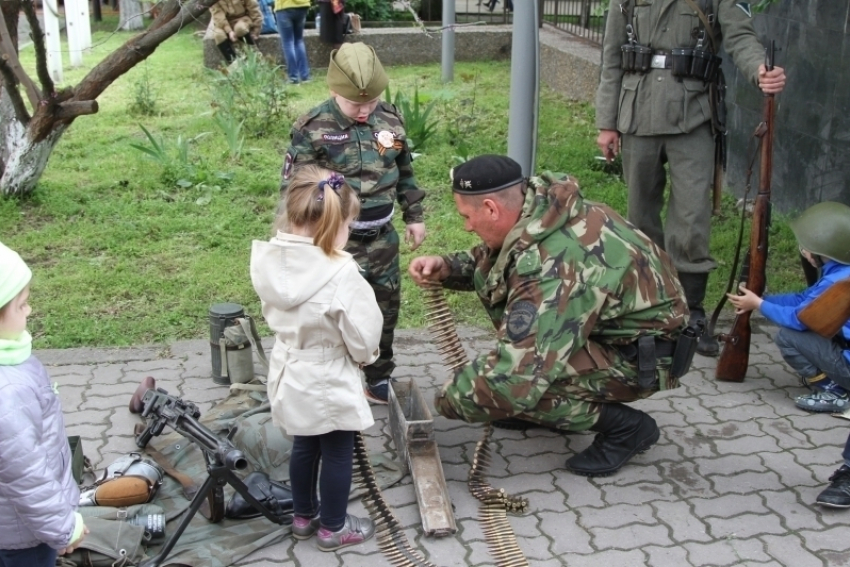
<point>221,456</point>
<point>734,358</point>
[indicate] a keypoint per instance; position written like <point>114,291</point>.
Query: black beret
<point>485,174</point>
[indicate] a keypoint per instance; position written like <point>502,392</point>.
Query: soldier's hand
<point>609,143</point>
<point>426,269</point>
<point>414,234</point>
<point>773,81</point>
<point>232,35</point>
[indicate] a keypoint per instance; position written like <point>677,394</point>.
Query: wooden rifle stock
<point>829,312</point>
<point>735,355</point>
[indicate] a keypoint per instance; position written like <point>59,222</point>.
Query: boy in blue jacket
<point>823,233</point>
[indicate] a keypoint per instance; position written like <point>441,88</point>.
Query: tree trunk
<point>131,15</point>
<point>22,161</point>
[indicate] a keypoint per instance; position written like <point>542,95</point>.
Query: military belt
<point>370,234</point>
<point>661,60</point>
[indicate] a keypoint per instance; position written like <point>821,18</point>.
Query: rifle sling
<point>730,285</point>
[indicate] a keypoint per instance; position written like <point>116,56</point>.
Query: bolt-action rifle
<point>735,356</point>
<point>222,458</point>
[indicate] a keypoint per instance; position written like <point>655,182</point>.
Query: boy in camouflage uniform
<point>363,138</point>
<point>570,287</point>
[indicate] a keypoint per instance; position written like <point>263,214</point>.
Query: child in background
<point>361,137</point>
<point>38,494</point>
<point>823,233</point>
<point>327,325</point>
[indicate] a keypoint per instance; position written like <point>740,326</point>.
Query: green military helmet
<point>355,73</point>
<point>824,229</point>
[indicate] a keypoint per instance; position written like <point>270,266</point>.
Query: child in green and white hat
<point>38,493</point>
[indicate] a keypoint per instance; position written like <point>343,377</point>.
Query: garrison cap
<point>355,73</point>
<point>485,174</point>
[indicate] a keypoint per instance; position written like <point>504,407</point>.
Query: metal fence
<point>584,18</point>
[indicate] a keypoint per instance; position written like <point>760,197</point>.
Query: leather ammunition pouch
<point>274,496</point>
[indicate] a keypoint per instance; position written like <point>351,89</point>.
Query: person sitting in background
<point>234,21</point>
<point>290,16</point>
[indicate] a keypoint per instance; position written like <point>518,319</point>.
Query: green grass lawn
<point>128,250</point>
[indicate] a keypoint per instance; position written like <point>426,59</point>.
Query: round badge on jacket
<point>386,138</point>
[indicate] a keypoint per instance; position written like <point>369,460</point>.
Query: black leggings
<point>335,451</point>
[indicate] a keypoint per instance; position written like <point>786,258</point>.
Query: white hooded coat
<point>326,323</point>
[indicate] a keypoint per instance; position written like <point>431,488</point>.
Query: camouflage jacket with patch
<point>328,138</point>
<point>571,275</point>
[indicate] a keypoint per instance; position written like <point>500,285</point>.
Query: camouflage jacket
<point>328,138</point>
<point>224,12</point>
<point>655,103</point>
<point>571,275</point>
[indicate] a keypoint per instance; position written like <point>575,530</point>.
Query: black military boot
<point>623,432</point>
<point>694,285</point>
<point>227,51</point>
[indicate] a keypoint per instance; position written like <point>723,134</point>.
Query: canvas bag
<point>112,541</point>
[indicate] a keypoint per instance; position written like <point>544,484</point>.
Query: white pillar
<point>52,43</point>
<point>85,22</point>
<point>74,31</point>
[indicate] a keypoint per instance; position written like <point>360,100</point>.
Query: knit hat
<point>14,274</point>
<point>355,73</point>
<point>485,174</point>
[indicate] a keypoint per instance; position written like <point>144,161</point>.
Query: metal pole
<point>525,79</point>
<point>448,59</point>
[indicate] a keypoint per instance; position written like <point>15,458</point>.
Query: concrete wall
<point>568,64</point>
<point>811,151</point>
<point>395,46</point>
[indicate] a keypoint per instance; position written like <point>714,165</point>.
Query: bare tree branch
<point>37,35</point>
<point>11,86</point>
<point>8,53</point>
<point>72,109</point>
<point>137,49</point>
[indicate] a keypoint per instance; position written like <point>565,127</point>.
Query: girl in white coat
<point>327,325</point>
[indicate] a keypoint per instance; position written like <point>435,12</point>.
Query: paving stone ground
<point>732,480</point>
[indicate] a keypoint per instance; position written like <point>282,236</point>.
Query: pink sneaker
<point>304,527</point>
<point>355,530</point>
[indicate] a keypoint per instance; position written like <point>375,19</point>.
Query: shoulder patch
<point>521,319</point>
<point>745,6</point>
<point>287,163</point>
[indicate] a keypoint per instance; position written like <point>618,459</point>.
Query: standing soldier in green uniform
<point>235,20</point>
<point>363,138</point>
<point>658,62</point>
<point>588,312</point>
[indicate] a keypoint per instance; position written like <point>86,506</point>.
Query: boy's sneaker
<point>355,530</point>
<point>826,396</point>
<point>379,392</point>
<point>304,527</point>
<point>830,402</point>
<point>838,493</point>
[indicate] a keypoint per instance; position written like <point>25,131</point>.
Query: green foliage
<point>144,95</point>
<point>178,168</point>
<point>371,10</point>
<point>252,92</point>
<point>418,124</point>
<point>763,5</point>
<point>232,131</point>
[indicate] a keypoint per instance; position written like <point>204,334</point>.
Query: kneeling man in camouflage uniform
<point>587,311</point>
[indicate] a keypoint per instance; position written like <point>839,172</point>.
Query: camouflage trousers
<point>574,402</point>
<point>379,264</point>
